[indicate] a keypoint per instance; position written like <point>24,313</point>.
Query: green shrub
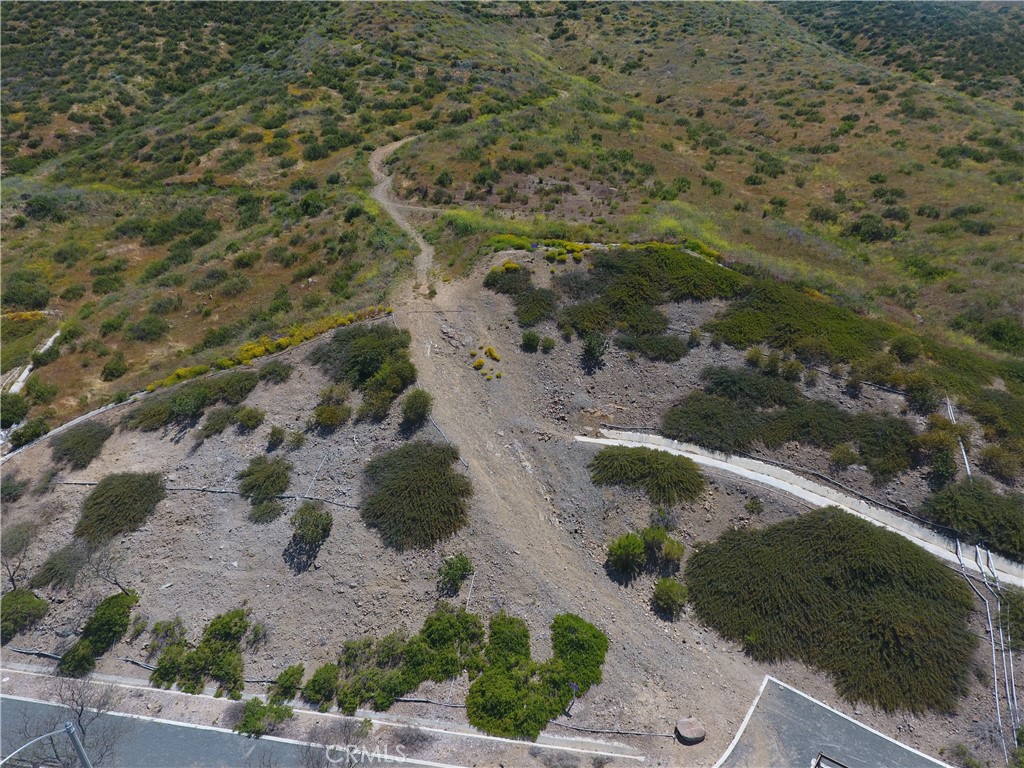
<point>415,497</point>
<point>516,697</point>
<point>114,368</point>
<point>259,718</point>
<point>453,571</point>
<point>13,408</point>
<point>665,477</point>
<point>249,418</point>
<point>276,438</point>
<point>20,609</point>
<point>784,317</point>
<point>60,569</point>
<point>322,688</point>
<point>980,514</point>
<point>102,631</point>
<point>327,418</point>
<point>264,479</point>
<point>627,556</point>
<point>375,359</point>
<point>78,661</point>
<point>886,619</point>
<point>187,402</point>
<point>217,420</point>
<point>11,488</point>
<point>311,525</point>
<point>149,328</point>
<point>218,656</point>
<point>80,444</point>
<point>38,391</point>
<point>287,685</point>
<point>535,305</point>
<point>109,621</point>
<point>266,512</point>
<point>416,408</point>
<point>119,504</point>
<point>728,416</point>
<point>669,598</point>
<point>547,344</point>
<point>531,341</point>
<point>274,372</point>
<point>31,430</point>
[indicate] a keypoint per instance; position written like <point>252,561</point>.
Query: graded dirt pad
<point>537,533</point>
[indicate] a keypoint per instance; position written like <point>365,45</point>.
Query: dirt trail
<point>382,194</point>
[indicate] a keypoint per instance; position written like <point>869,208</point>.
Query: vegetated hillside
<point>975,48</point>
<point>182,180</point>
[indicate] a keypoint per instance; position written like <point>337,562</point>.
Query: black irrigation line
<point>431,701</point>
<point>603,730</point>
<point>232,493</point>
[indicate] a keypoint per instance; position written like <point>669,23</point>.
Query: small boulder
<point>690,730</point>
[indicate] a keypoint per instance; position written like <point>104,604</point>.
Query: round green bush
<point>264,479</point>
<point>416,408</point>
<point>626,555</point>
<point>322,688</point>
<point>669,598</point>
<point>416,498</point>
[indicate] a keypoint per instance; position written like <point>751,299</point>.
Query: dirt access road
<point>538,527</point>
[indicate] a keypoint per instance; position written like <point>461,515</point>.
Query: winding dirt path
<point>383,194</point>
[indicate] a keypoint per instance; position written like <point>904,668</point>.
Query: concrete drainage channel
<point>768,475</point>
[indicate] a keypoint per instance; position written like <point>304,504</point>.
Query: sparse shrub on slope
<point>259,718</point>
<point>739,407</point>
<point>515,697</point>
<point>416,498</point>
<point>186,403</point>
<point>666,478</point>
<point>374,359</point>
<point>119,504</point>
<point>60,569</point>
<point>322,688</point>
<point>218,656</point>
<point>980,514</point>
<point>376,673</point>
<point>13,408</point>
<point>102,632</point>
<point>885,618</point>
<point>80,444</point>
<point>453,571</point>
<point>288,684</point>
<point>780,315</point>
<point>311,525</point>
<point>264,479</point>
<point>416,409</point>
<point>20,609</point>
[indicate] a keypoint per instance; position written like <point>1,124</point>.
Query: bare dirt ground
<point>537,532</point>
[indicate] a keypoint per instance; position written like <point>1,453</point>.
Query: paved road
<point>155,743</point>
<point>788,728</point>
<point>819,495</point>
<point>382,193</point>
